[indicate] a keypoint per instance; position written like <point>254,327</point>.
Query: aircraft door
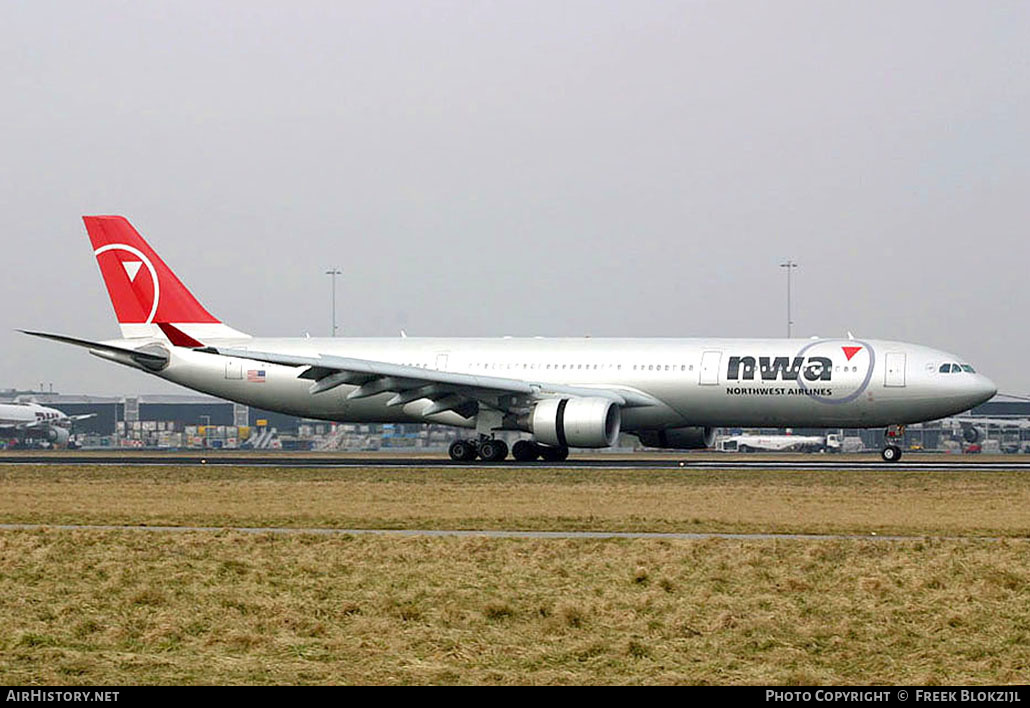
<point>710,363</point>
<point>233,370</point>
<point>894,369</point>
<point>441,362</point>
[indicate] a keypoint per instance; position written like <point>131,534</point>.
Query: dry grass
<point>953,503</point>
<point>108,607</point>
<point>92,607</point>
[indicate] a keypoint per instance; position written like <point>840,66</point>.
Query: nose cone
<point>984,389</point>
<point>969,391</point>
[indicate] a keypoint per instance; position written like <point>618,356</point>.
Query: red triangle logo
<point>851,351</point>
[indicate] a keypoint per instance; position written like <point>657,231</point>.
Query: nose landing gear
<point>892,452</point>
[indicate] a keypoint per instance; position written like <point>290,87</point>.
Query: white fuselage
<point>696,382</point>
<point>23,414</point>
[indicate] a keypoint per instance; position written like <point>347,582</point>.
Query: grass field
<point>132,607</point>
<point>889,502</point>
<point>126,607</point>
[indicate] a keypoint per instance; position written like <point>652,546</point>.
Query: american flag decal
<point>256,375</point>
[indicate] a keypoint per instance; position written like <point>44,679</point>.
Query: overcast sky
<point>525,168</point>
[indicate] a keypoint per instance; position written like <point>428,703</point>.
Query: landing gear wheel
<point>554,454</point>
<point>891,453</point>
<point>462,451</point>
<point>493,450</point>
<point>525,451</point>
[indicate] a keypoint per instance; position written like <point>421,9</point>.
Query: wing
<point>448,391</point>
<point>27,425</point>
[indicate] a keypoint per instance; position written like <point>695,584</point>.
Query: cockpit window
<point>945,369</point>
<point>968,369</point>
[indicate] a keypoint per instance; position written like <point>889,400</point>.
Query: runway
<point>872,463</point>
<point>492,533</point>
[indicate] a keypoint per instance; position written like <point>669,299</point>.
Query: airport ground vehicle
<point>831,442</point>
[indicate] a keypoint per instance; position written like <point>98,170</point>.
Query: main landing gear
<point>528,451</point>
<point>487,449</point>
<point>492,450</point>
<point>892,452</point>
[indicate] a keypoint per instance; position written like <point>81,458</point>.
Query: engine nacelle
<point>970,434</point>
<point>58,436</point>
<point>576,422</point>
<point>694,437</point>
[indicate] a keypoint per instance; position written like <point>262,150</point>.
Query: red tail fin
<point>144,291</point>
<point>178,337</point>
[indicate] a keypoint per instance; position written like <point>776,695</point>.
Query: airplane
<point>562,392</point>
<point>24,420</point>
<point>973,428</point>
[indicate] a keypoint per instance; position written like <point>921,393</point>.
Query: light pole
<point>332,274</point>
<point>789,265</point>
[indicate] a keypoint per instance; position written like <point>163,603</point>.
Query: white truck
<point>831,442</point>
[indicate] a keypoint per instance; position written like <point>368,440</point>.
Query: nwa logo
<point>819,360</point>
<point>780,368</point>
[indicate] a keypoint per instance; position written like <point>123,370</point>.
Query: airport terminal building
<point>175,421</point>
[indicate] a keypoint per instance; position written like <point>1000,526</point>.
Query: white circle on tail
<point>146,261</point>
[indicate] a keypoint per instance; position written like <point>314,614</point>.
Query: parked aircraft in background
<point>973,430</point>
<point>26,421</point>
<point>562,393</point>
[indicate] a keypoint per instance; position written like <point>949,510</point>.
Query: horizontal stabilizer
<point>152,357</point>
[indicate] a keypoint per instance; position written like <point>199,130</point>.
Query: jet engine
<point>689,438</point>
<point>576,422</point>
<point>58,436</point>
